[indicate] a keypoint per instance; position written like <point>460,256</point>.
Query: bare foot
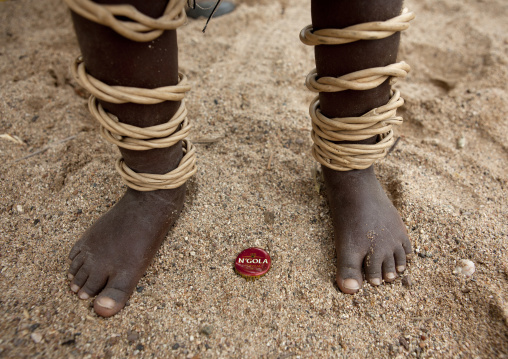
<point>370,236</point>
<point>113,254</point>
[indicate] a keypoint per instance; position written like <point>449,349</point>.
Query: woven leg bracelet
<point>139,27</point>
<point>326,132</point>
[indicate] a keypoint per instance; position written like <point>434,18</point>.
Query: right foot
<point>112,255</point>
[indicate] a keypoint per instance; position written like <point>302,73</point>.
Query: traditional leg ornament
<point>326,132</point>
<point>138,26</point>
<point>142,28</point>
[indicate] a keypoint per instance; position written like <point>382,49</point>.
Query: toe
<point>406,244</point>
<point>389,273</point>
<point>400,259</point>
<point>74,251</point>
<point>92,286</point>
<point>373,269</point>
<point>349,274</point>
<point>76,264</point>
<point>83,295</point>
<point>79,280</point>
<point>110,301</point>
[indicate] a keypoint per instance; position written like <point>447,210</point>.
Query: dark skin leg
<point>370,237</point>
<point>112,255</point>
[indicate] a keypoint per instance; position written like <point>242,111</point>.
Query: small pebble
<point>175,346</point>
<point>113,340</point>
<point>69,342</point>
<point>406,281</point>
<point>461,142</point>
<point>404,343</point>
<point>464,267</point>
<point>19,208</point>
<point>132,336</point>
<point>207,330</point>
<point>36,337</point>
<point>269,217</point>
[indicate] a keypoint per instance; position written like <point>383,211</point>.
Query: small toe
<point>93,285</point>
<point>400,259</point>
<point>74,252</point>
<point>110,301</point>
<point>79,280</point>
<point>76,264</point>
<point>406,244</point>
<point>389,272</point>
<point>83,295</point>
<point>373,269</point>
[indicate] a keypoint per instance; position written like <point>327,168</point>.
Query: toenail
<point>351,284</point>
<point>74,288</point>
<point>375,281</point>
<point>391,275</point>
<point>83,295</point>
<point>70,276</point>
<point>401,268</point>
<point>106,302</point>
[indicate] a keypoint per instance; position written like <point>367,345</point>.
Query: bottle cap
<point>253,263</point>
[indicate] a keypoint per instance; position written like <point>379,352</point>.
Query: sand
<point>257,186</point>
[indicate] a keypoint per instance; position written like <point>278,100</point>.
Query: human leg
<point>370,236</point>
<point>113,254</point>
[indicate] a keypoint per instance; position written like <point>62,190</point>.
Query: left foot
<point>370,236</point>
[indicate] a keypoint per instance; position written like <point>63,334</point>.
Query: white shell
<point>36,337</point>
<point>464,267</point>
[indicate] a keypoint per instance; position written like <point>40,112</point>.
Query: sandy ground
<point>447,176</point>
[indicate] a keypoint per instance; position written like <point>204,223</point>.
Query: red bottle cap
<point>253,263</point>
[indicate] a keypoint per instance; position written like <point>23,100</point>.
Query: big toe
<point>349,276</point>
<point>110,301</point>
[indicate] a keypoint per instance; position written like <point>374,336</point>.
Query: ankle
<point>156,161</point>
<point>167,200</point>
<point>347,178</point>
